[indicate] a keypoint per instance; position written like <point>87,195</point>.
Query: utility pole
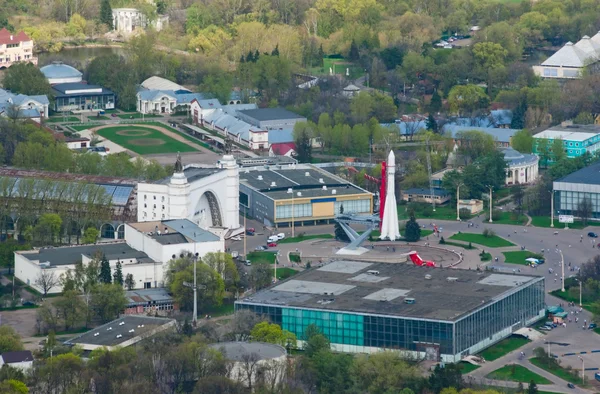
<point>552,208</point>
<point>582,370</point>
<point>245,233</point>
<point>458,201</point>
<point>431,191</point>
<point>562,263</point>
<point>491,188</point>
<point>195,286</point>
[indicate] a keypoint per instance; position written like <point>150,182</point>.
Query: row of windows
<point>353,206</point>
<point>570,200</point>
<point>300,211</point>
<point>162,198</point>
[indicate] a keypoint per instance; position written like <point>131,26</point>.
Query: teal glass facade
<point>343,328</point>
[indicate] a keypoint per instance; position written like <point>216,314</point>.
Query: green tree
<point>71,307</point>
<point>272,333</point>
<point>447,376</point>
<point>47,228</point>
<point>314,341</point>
<point>12,386</point>
<point>543,150</point>
<point>219,85</point>
<point>90,236</point>
<point>585,210</point>
<point>26,78</point>
<point>558,150</point>
<point>107,301</point>
<point>303,134</point>
<point>383,372</point>
<point>522,141</point>
<point>475,144</point>
<point>129,282</point>
<point>362,106</point>
<point>532,389</point>
<point>10,341</point>
<point>412,233</point>
<point>106,14</point>
<point>118,274</point>
<point>223,264</point>
<point>432,124</point>
<point>518,194</point>
<point>339,233</point>
<point>489,57</point>
<point>466,99</point>
<point>353,54</point>
<point>182,270</point>
<point>105,275</point>
<point>435,105</point>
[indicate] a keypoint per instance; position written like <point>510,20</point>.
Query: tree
<point>47,228</point>
<point>118,274</point>
<point>532,389</point>
<point>106,14</point>
<point>466,99</point>
<point>182,270</point>
<point>522,141</point>
<point>71,308</point>
<point>26,78</point>
<point>447,376</point>
<point>475,144</point>
<point>46,280</point>
<point>303,134</point>
<point>107,301</point>
<point>353,54</point>
<point>339,233</point>
<point>432,124</point>
<point>543,150</point>
<point>129,282</point>
<point>314,341</point>
<point>272,333</point>
<point>275,51</point>
<point>12,386</point>
<point>105,275</point>
<point>223,264</point>
<point>518,193</point>
<point>585,209</point>
<point>435,105</point>
<point>412,233</point>
<point>90,236</point>
<point>489,57</point>
<point>383,372</point>
<point>558,150</point>
<point>10,340</point>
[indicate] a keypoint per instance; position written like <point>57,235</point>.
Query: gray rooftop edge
<point>265,114</point>
<point>589,175</point>
<point>235,351</point>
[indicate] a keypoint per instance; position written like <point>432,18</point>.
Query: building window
<point>145,205</point>
<point>163,198</point>
<point>155,197</point>
<point>147,285</point>
<point>154,206</point>
<point>145,196</point>
<point>550,72</point>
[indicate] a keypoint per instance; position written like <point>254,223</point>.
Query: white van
<point>280,236</point>
<point>272,238</point>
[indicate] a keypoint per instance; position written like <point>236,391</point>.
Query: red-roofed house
<point>15,48</point>
<point>283,149</point>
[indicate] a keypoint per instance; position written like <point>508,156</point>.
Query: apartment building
<point>15,48</point>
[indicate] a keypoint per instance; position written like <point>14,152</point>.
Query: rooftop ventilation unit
<point>451,279</point>
<point>119,336</point>
<point>299,194</point>
<point>122,323</point>
<point>324,187</point>
<point>427,276</point>
<point>334,191</point>
<point>96,334</point>
<point>321,180</point>
<point>409,301</point>
<point>273,184</point>
<point>307,173</point>
<point>260,178</point>
<point>132,330</point>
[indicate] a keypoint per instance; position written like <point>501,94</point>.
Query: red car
<point>272,245</point>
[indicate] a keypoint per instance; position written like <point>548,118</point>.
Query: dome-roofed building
<point>58,72</point>
<point>521,167</point>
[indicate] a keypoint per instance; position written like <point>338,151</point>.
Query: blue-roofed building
<point>570,190</point>
<point>501,136</point>
<point>58,72</point>
<point>81,96</point>
<point>26,107</point>
<point>281,136</point>
<point>576,139</point>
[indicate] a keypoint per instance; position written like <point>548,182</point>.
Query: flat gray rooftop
<point>263,114</point>
<point>192,174</point>
<point>107,333</point>
<point>381,288</point>
<point>235,351</point>
<point>275,182</point>
<point>72,254</point>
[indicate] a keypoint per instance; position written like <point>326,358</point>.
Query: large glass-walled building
<point>438,314</point>
<point>576,187</point>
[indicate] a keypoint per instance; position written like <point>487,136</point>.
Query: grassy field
<point>460,245</point>
<point>58,119</point>
<point>84,127</point>
<point>284,273</point>
<point>295,257</point>
<point>465,367</point>
<point>517,373</point>
<point>301,238</point>
<point>586,303</point>
<point>518,257</point>
<point>138,116</point>
<point>491,242</point>
<point>181,133</point>
<point>261,257</point>
<point>544,221</point>
<point>423,211</point>
<point>143,140</point>
<point>101,117</point>
<point>557,370</point>
<point>506,218</point>
<point>503,347</point>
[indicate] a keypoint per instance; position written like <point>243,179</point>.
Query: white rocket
<point>389,225</point>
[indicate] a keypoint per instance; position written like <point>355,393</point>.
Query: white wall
<point>28,271</point>
<point>23,366</point>
<point>77,144</point>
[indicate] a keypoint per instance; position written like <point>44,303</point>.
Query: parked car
<point>272,245</point>
<point>570,385</point>
<point>250,231</point>
<point>592,235</point>
<point>248,263</point>
<point>31,303</point>
<point>592,326</point>
<point>280,236</point>
<point>262,247</point>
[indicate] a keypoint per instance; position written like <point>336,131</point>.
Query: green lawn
<point>58,119</point>
<point>450,243</point>
<point>284,273</point>
<point>84,127</point>
<point>586,303</point>
<point>295,257</point>
<point>518,257</point>
<point>301,238</point>
<point>101,117</point>
<point>556,370</point>
<point>506,218</point>
<point>261,257</point>
<point>503,347</point>
<point>517,373</point>
<point>485,256</point>
<point>466,367</point>
<point>181,133</point>
<point>138,116</point>
<point>424,212</point>
<point>491,242</point>
<point>224,309</point>
<point>152,141</point>
<point>544,221</point>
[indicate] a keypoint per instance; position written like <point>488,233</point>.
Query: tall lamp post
<point>552,208</point>
<point>491,189</point>
<point>562,263</point>
<point>548,342</point>
<point>582,370</point>
<point>458,201</point>
<point>291,191</point>
<point>580,291</point>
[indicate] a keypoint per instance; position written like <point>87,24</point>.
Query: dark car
<point>30,303</point>
<point>592,326</point>
<point>592,235</point>
<point>570,385</point>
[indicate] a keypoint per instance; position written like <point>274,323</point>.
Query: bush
<point>442,241</point>
<point>464,213</point>
<point>488,233</point>
<point>496,214</point>
<point>484,256</point>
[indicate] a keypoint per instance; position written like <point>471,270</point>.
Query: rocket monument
<point>389,221</point>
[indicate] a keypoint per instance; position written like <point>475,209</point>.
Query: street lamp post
<point>548,342</point>
<point>491,188</point>
<point>582,370</point>
<point>580,291</point>
<point>552,208</point>
<point>562,263</point>
<point>458,202</point>
<point>291,191</point>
